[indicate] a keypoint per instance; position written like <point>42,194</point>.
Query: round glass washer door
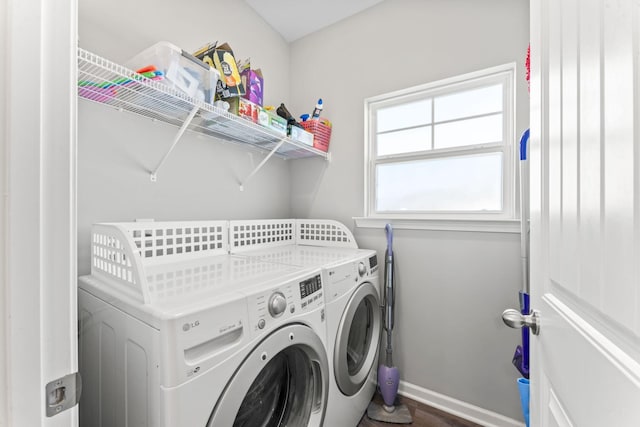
<point>282,383</point>
<point>357,339</point>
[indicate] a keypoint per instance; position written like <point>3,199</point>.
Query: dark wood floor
<point>423,416</point>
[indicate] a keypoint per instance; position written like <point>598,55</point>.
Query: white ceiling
<point>297,18</point>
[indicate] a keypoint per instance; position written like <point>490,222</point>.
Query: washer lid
<point>308,256</point>
<point>181,288</point>
<point>175,287</point>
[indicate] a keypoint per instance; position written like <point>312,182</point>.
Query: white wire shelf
<point>105,82</point>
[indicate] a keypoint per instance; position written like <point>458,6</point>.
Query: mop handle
<point>389,349</point>
<point>389,230</point>
<point>389,306</point>
<point>388,293</point>
<point>389,302</point>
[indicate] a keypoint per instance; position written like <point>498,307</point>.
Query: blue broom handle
<point>524,210</point>
<point>524,247</point>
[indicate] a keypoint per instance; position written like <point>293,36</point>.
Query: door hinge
<point>63,393</point>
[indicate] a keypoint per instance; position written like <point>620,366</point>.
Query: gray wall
<point>200,178</point>
<point>452,285</point>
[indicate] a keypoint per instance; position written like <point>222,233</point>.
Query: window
<point>444,150</point>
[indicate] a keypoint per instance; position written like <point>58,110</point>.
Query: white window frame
<point>505,220</point>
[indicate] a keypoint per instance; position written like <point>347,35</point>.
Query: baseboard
<point>456,407</point>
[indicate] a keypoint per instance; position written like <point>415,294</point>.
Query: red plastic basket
<point>321,133</point>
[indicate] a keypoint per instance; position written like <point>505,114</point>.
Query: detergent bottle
<point>317,110</point>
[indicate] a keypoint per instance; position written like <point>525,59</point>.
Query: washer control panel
<point>270,308</point>
<point>311,290</point>
<point>373,263</point>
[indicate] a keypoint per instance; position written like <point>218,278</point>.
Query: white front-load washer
<point>354,321</point>
<point>215,341</point>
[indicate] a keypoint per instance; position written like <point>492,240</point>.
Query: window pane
<point>468,103</point>
<point>465,183</point>
<point>404,141</point>
<point>469,132</point>
<point>404,116</point>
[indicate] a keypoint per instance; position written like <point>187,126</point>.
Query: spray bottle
<point>317,110</point>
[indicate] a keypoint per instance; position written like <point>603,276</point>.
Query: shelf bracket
<point>183,128</point>
<point>257,168</point>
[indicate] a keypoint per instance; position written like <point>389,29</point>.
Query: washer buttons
<point>261,324</point>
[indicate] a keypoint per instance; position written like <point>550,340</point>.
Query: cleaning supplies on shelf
<point>168,105</point>
<point>295,130</point>
<point>283,112</point>
<point>253,82</point>
<point>318,110</point>
<point>221,57</point>
<point>321,132</point>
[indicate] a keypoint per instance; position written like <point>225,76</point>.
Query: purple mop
<point>388,375</point>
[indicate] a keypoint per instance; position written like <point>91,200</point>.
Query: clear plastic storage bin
<point>181,70</point>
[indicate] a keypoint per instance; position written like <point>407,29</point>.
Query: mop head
<point>397,414</point>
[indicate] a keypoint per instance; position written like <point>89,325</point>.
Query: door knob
<point>514,319</point>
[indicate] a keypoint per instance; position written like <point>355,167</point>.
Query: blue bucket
<point>523,388</point>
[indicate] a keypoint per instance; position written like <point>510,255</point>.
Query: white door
<point>585,212</point>
<point>38,292</point>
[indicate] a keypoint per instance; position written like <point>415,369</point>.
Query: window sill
<point>475,225</point>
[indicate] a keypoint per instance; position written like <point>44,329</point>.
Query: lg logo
<point>187,326</point>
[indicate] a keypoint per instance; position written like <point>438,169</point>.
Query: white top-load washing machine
<point>352,296</point>
<point>176,332</point>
